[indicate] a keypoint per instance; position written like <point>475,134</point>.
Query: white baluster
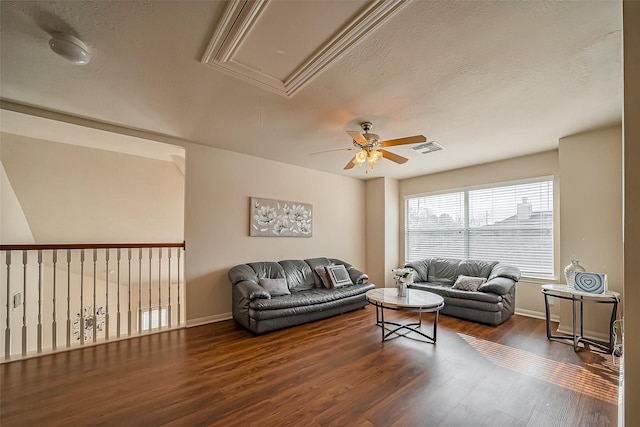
<point>150,281</point>
<point>129,294</point>
<point>24,303</point>
<point>169,296</point>
<point>179,316</point>
<point>7,330</point>
<point>81,336</point>
<point>106,286</point>
<point>118,291</point>
<point>94,313</point>
<point>39,343</point>
<point>140,290</point>
<point>54,323</point>
<point>68,298</point>
<point>159,288</point>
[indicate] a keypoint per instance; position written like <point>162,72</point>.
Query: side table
<point>578,298</point>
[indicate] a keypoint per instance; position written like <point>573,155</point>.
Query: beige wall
<point>392,227</point>
<point>382,229</point>
<point>74,194</point>
<point>13,223</point>
<point>218,187</point>
<point>528,297</point>
<point>375,230</point>
<point>631,16</point>
<point>591,215</point>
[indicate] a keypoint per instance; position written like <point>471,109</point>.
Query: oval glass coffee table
<point>415,301</point>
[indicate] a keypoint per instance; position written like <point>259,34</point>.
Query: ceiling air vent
<point>428,147</point>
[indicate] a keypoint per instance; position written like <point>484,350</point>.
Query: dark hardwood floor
<point>334,372</point>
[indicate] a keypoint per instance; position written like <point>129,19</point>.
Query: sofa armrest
<point>498,285</point>
<point>420,270</point>
<point>249,290</point>
<point>505,270</point>
<point>357,276</point>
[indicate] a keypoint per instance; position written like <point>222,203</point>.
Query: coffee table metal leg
<point>575,333</point>
<point>547,315</point>
<point>382,328</point>
<point>614,315</point>
<point>435,327</point>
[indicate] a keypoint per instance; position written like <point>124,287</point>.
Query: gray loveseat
<point>254,308</point>
<point>493,302</point>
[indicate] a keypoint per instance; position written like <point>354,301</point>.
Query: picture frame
<point>280,218</point>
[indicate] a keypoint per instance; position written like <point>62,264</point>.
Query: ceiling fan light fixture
<point>70,48</point>
<point>360,158</point>
<point>374,156</point>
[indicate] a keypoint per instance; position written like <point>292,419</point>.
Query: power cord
<point>617,347</point>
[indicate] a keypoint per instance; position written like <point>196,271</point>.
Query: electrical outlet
<point>17,300</point>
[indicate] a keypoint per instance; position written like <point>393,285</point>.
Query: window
<point>153,313</point>
<point>509,223</point>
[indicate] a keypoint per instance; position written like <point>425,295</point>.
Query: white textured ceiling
<point>488,80</point>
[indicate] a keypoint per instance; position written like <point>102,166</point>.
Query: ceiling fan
<point>370,148</point>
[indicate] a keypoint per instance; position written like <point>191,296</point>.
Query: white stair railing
<point>58,297</point>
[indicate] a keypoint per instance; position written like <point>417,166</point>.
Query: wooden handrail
<point>31,247</point>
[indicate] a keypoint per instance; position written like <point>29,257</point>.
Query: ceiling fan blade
<point>329,151</point>
<point>403,141</point>
<point>357,137</point>
<point>351,163</point>
<point>393,157</point>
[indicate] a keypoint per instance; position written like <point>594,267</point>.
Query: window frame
<point>467,228</point>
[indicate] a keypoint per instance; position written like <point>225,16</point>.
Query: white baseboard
<point>621,393</point>
<point>208,319</point>
<point>536,314</point>
<point>564,329</point>
<point>592,335</point>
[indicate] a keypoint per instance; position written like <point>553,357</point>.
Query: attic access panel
<point>282,45</point>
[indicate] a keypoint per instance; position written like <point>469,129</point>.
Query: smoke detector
<point>70,48</point>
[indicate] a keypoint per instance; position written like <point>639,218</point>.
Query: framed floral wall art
<point>278,218</point>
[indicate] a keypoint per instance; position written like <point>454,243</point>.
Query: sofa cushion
<point>324,276</point>
<point>314,263</point>
<point>275,287</point>
<point>309,297</point>
<point>470,303</point>
<point>306,310</point>
<point>271,270</point>
<point>449,292</point>
<point>475,268</point>
<point>443,270</point>
<point>338,276</point>
<point>298,273</point>
<point>468,283</point>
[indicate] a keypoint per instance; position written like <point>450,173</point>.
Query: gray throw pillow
<point>275,287</point>
<point>338,276</point>
<point>324,276</point>
<point>468,283</point>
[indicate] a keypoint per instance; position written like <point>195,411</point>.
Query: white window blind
<point>507,223</point>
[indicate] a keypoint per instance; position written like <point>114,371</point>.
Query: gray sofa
<point>254,308</point>
<point>494,301</point>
